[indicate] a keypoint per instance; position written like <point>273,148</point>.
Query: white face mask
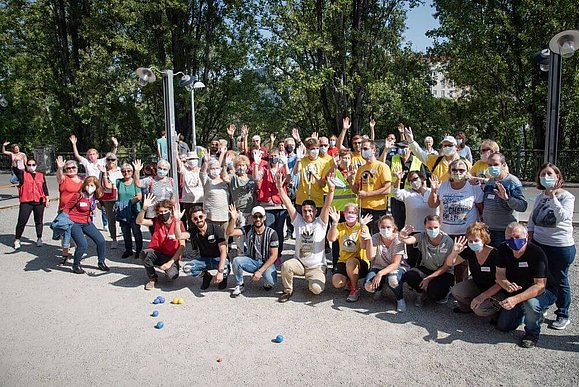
<point>31,168</point>
<point>192,163</point>
<point>314,153</point>
<point>213,173</point>
<point>386,232</point>
<point>416,184</point>
<point>448,150</point>
<point>90,189</point>
<point>332,142</point>
<point>366,154</point>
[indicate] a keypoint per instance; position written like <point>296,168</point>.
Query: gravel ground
<point>95,329</point>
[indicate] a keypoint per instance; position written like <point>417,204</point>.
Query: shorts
<point>363,271</point>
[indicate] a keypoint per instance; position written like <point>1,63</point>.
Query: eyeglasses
<point>31,165</point>
<point>111,159</point>
<point>486,150</point>
<point>357,143</point>
<point>458,170</point>
<point>126,171</point>
<point>257,216</point>
<point>69,168</point>
<point>198,218</point>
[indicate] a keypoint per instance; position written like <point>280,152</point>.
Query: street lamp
<point>3,101</point>
<point>564,44</point>
<point>191,83</point>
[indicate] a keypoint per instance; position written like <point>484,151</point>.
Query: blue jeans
<point>78,233</point>
<point>560,259</point>
<point>202,264</point>
<point>244,263</point>
<point>531,311</point>
<point>390,279</point>
<point>497,237</point>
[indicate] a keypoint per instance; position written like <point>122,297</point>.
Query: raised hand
<point>501,192</point>
<point>314,135</point>
<point>398,172</point>
<point>296,134</point>
<point>257,155</point>
<point>372,123</point>
<point>330,181</point>
<point>364,220</point>
<point>115,141</point>
<point>101,168</point>
<point>365,234</point>
<point>223,149</point>
<point>299,153</point>
<point>334,215</point>
<point>231,130</point>
<point>434,183</point>
<point>6,143</point>
<point>272,139</point>
<point>279,180</point>
<point>177,213</point>
<point>401,128</point>
<point>406,231</point>
<point>459,243</point>
<point>409,135</point>
<point>244,131</point>
<point>60,162</point>
<point>233,213</point>
<point>73,139</point>
<point>346,123</point>
<point>138,165</point>
<point>229,158</point>
<point>148,200</point>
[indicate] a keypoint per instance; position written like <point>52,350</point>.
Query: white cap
<point>258,210</point>
<point>450,139</point>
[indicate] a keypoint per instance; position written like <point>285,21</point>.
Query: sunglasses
<point>111,159</point>
<point>69,168</point>
<point>486,150</point>
<point>196,219</point>
<point>31,165</point>
<point>127,171</point>
<point>458,170</point>
<point>257,216</point>
<point>357,143</point>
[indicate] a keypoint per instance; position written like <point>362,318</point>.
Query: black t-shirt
<point>208,244</point>
<point>522,271</point>
<point>482,275</point>
<point>259,245</point>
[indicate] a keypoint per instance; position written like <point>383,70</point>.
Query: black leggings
<point>24,214</point>
<point>437,288</point>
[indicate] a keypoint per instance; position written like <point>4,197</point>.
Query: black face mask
<point>289,149</point>
<point>164,217</point>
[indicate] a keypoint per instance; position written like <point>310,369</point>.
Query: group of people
<point>437,222</point>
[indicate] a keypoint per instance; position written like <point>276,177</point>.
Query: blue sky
<point>419,20</point>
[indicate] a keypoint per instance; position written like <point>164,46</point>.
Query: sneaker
<point>114,245</point>
<point>65,259</point>
<point>223,284</point>
<point>39,242</point>
<point>151,284</point>
<point>528,341</point>
<point>353,296</point>
<point>103,266</point>
<point>401,306</point>
<point>560,323</point>
<point>420,297</point>
<point>126,254</point>
<point>16,244</point>
<point>443,300</point>
<point>285,297</point>
<point>78,270</point>
<point>237,290</point>
<point>206,280</point>
<point>267,287</point>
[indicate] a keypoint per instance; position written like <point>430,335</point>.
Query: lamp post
<point>191,83</point>
<point>564,44</point>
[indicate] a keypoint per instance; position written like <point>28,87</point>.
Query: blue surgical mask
<point>162,172</point>
<point>495,170</point>
<point>547,181</point>
<point>323,150</point>
<point>448,150</point>
<point>516,244</point>
<point>366,154</point>
<point>476,246</point>
<point>433,233</point>
<point>332,142</point>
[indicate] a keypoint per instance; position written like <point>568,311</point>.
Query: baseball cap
<point>192,155</point>
<point>258,210</point>
<point>450,139</point>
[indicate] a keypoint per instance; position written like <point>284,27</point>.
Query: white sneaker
<point>237,290</point>
<point>16,244</point>
<point>39,242</point>
<point>401,306</point>
<point>114,244</point>
<point>353,296</point>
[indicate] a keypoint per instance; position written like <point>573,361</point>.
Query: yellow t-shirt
<point>357,160</point>
<point>308,187</point>
<point>479,169</point>
<point>441,170</point>
<point>371,177</point>
<point>350,242</point>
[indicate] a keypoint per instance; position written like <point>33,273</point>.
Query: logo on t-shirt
<point>307,241</point>
<point>349,244</point>
<point>211,239</point>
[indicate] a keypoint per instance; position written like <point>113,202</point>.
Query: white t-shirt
<point>458,208</point>
<point>92,169</point>
<point>384,255</point>
<point>310,242</point>
<point>417,207</point>
<point>192,188</point>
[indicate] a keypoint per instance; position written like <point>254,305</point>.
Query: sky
<point>419,20</point>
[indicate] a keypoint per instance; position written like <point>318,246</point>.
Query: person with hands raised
<point>17,158</point>
<point>209,239</point>
<point>165,249</point>
<point>388,258</point>
<point>68,185</point>
<point>262,250</point>
<point>312,171</point>
<point>309,256</point>
<point>474,294</point>
<point>432,278</point>
<point>353,262</point>
<point>522,271</point>
<point>92,161</point>
<point>551,228</point>
<point>215,191</point>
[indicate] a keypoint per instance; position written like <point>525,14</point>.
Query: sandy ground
<point>59,328</point>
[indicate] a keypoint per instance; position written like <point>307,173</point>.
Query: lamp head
<point>146,76</point>
<point>3,101</point>
<point>198,85</point>
<point>565,43</point>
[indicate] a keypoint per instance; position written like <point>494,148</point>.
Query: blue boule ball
<point>155,313</point>
<point>278,338</point>
<point>160,325</point>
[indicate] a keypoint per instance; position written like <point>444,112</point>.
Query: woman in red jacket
<point>33,195</point>
<point>80,210</point>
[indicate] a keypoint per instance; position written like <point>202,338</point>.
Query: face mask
<point>350,218</point>
<point>484,156</point>
<point>366,154</point>
<point>274,160</point>
<point>323,150</point>
<point>386,232</point>
<point>213,173</point>
<point>289,148</point>
<point>433,233</point>
<point>332,142</point>
<point>547,181</point>
<point>458,141</point>
<point>345,163</point>
<point>191,163</point>
<point>164,217</point>
<point>404,151</point>
<point>448,150</point>
<point>241,170</point>
<point>90,189</point>
<point>230,165</point>
<point>31,168</point>
<point>457,176</point>
<point>495,170</point>
<point>475,246</point>
<point>314,153</point>
<point>416,184</point>
<point>162,172</point>
<point>516,244</point>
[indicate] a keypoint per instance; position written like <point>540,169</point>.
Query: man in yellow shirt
<point>313,171</point>
<point>372,183</point>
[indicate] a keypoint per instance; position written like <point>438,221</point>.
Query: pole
<point>553,104</point>
<point>169,105</point>
<point>194,139</point>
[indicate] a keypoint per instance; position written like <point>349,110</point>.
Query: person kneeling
<point>261,251</point>
<point>210,240</point>
<point>165,248</point>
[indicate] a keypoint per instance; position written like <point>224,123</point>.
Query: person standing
<point>68,185</point>
<point>192,189</point>
<point>109,176</point>
<point>33,197</point>
<point>162,152</point>
<point>463,149</point>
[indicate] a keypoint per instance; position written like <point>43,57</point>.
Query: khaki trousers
<point>464,292</point>
<point>316,276</point>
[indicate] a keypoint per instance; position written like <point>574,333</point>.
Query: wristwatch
<point>221,270</point>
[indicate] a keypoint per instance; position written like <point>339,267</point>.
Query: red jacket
<point>80,208</point>
<point>266,188</point>
<point>31,190</point>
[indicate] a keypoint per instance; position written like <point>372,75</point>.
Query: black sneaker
<point>65,259</point>
<point>206,280</point>
<point>223,284</point>
<point>285,297</point>
<point>103,266</point>
<point>126,254</point>
<point>528,341</point>
<point>267,287</point>
<point>78,270</point>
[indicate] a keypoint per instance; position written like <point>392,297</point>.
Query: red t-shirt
<point>80,209</point>
<point>333,150</point>
<point>67,190</point>
<point>163,239</point>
